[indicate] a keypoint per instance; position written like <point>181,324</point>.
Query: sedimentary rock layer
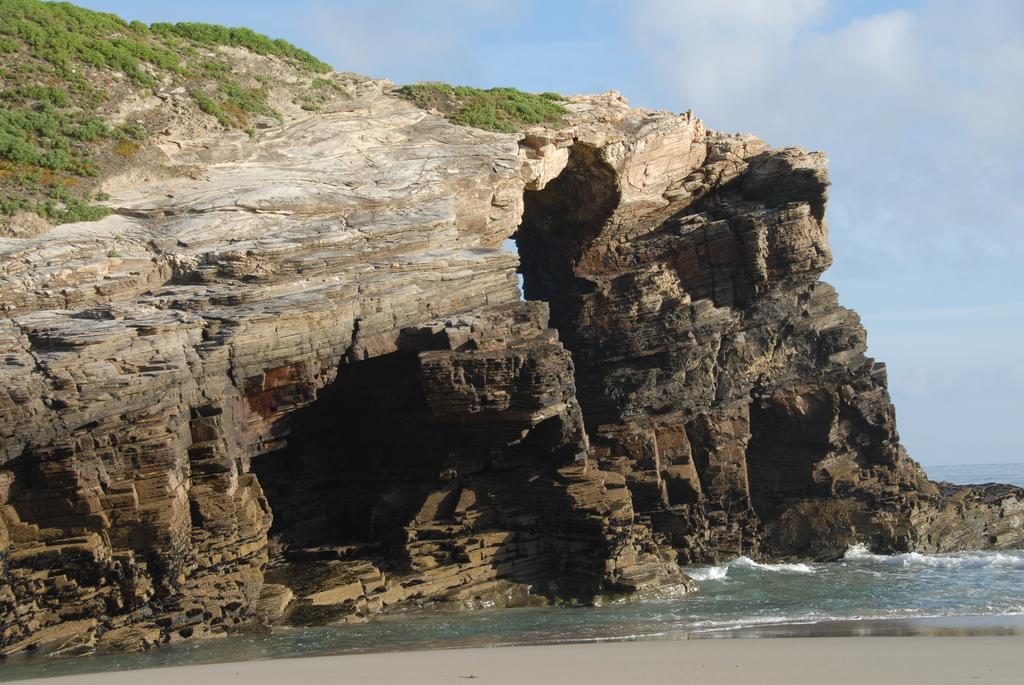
<point>715,371</point>
<point>292,379</point>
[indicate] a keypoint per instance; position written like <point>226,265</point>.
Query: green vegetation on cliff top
<point>60,65</point>
<point>494,109</point>
<point>64,69</point>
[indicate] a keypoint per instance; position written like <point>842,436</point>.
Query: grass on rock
<point>494,109</point>
<point>64,69</point>
<point>320,92</point>
<point>61,64</point>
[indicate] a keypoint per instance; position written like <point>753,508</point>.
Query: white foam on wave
<point>747,562</point>
<point>709,625</point>
<point>954,560</point>
<point>721,572</point>
<point>812,617</point>
<point>709,573</point>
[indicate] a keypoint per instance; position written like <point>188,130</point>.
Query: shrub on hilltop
<point>63,70</point>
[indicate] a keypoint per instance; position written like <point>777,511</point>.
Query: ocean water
<point>970,474</point>
<point>864,593</point>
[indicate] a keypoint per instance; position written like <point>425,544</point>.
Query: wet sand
<point>935,660</point>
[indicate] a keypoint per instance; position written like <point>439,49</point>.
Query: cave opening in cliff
<point>789,435</point>
<point>559,222</point>
<point>350,471</point>
<point>560,254</point>
<point>374,472</point>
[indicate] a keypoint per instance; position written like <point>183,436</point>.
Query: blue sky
<point>918,104</point>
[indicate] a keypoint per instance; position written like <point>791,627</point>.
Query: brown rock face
<point>715,371</point>
<point>304,388</point>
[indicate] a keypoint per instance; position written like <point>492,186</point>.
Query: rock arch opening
<point>560,222</point>
<point>438,475</point>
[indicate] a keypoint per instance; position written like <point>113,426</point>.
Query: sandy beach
<point>933,660</point>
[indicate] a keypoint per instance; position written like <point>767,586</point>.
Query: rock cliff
<point>291,377</point>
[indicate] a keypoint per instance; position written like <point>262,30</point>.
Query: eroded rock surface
<point>715,371</point>
<point>292,379</point>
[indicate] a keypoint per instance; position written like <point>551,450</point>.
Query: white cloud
<point>711,51</point>
<point>880,48</point>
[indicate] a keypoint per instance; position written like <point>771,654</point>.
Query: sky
<point>918,104</point>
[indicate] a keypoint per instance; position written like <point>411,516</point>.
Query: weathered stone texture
<point>303,386</point>
<point>715,372</point>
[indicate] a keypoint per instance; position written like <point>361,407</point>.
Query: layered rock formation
<point>292,378</point>
<point>716,372</point>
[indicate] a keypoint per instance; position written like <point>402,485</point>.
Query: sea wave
<point>709,625</point>
<point>953,560</point>
<point>879,619</point>
<point>721,572</point>
<point>709,573</point>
